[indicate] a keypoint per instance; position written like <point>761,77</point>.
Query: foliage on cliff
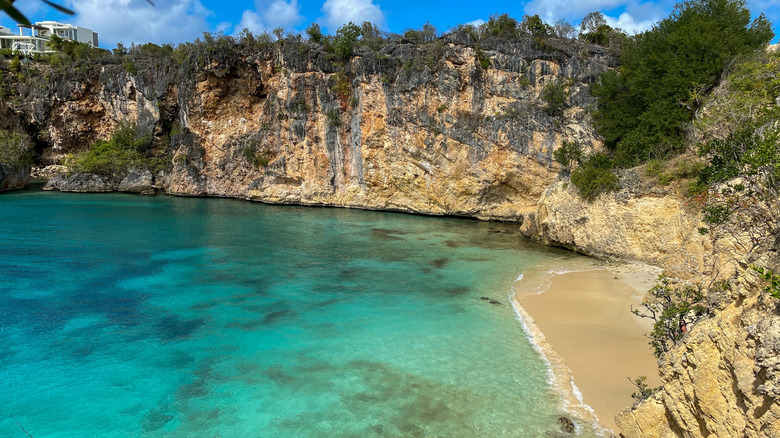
<point>124,151</point>
<point>739,135</point>
<point>672,308</point>
<point>645,105</point>
<point>14,149</point>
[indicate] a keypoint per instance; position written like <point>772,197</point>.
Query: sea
<point>132,316</point>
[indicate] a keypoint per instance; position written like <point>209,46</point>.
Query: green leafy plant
<point>773,280</point>
<point>594,177</point>
<point>568,154</point>
<point>554,96</point>
<point>14,149</point>
<point>646,104</point>
<point>345,40</point>
<point>644,391</point>
<point>673,308</point>
<point>334,117</point>
<point>115,157</point>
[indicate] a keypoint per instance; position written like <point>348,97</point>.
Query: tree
<point>742,146</point>
<point>568,154</point>
<point>646,104</point>
<point>673,308</point>
<point>564,29</point>
<point>500,26</point>
<point>427,33</point>
<point>592,22</point>
<point>345,40</point>
<point>534,25</point>
<point>315,33</point>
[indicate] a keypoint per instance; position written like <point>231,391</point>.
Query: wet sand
<point>583,325</point>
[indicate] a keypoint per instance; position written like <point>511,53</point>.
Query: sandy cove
<point>581,322</point>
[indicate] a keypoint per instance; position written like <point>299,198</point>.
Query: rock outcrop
<point>138,181</point>
<point>723,380</point>
<point>409,127</point>
<point>82,183</point>
<point>648,224</point>
<point>13,177</point>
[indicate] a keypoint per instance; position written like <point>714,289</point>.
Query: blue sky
<point>175,21</point>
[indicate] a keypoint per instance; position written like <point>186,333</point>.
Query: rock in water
<point>567,426</point>
<point>138,181</point>
<point>82,183</point>
<point>13,178</point>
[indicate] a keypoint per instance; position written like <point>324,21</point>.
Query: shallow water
<point>171,317</point>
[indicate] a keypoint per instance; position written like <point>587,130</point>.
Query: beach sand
<point>583,324</point>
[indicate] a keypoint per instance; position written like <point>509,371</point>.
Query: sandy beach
<point>583,325</point>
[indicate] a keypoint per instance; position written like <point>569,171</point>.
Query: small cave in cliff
<point>40,143</point>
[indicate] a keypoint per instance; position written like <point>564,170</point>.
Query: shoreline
<point>576,350</point>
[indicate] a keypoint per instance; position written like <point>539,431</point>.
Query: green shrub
<point>672,308</point>
<point>340,84</point>
<point>646,104</point>
<point>772,279</point>
<point>14,149</point>
<point>334,117</point>
<point>554,96</point>
<point>345,40</point>
<point>115,157</point>
<point>594,177</point>
<point>568,153</point>
<point>643,390</point>
<point>315,33</point>
<point>502,26</point>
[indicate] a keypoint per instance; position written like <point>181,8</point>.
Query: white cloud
<point>627,23</point>
<point>339,12</point>
<point>551,10</point>
<point>635,15</point>
<point>136,21</point>
<point>476,23</point>
<point>252,21</point>
<point>268,16</point>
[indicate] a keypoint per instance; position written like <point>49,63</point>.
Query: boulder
<point>82,183</point>
<point>13,178</point>
<point>138,181</point>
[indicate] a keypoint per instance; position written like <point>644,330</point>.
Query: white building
<point>40,33</point>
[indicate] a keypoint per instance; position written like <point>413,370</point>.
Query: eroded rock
<point>13,178</point>
<point>82,183</point>
<point>138,181</point>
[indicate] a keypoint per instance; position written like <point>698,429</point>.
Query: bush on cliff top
<point>646,104</point>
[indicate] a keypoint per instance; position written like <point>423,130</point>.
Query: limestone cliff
<point>422,128</point>
<point>642,222</point>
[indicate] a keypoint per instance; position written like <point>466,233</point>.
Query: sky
<point>176,21</point>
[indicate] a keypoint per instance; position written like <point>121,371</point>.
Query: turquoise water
<point>127,316</point>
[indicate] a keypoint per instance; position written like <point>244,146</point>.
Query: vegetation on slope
<point>646,105</point>
<point>14,149</point>
<point>125,150</point>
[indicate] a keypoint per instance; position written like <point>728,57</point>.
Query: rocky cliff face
<point>724,380</point>
<point>410,127</point>
<point>642,222</point>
